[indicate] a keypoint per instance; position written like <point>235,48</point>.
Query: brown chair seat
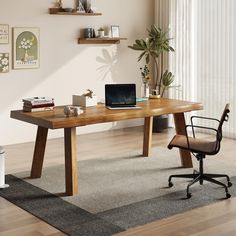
<point>195,144</point>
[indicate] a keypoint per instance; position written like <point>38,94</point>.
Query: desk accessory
<point>72,111</point>
<point>87,99</point>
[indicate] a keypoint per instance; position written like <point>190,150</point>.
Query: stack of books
<point>38,104</point>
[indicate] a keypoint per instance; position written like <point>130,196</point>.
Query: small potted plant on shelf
<point>154,48</point>
<point>101,32</point>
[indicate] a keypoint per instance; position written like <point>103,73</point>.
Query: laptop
<point>120,96</point>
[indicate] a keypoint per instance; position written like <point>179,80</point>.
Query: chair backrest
<point>224,117</point>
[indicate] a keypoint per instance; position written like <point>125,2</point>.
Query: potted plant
<point>101,32</point>
<point>153,48</point>
<point>145,73</point>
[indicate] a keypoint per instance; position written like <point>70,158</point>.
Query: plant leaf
<point>167,79</point>
<point>147,58</point>
<point>141,55</point>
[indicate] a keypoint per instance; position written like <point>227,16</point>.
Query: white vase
<point>101,33</point>
<point>68,4</point>
<point>145,90</point>
<point>26,56</point>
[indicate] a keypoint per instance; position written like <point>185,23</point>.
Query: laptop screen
<point>120,95</point>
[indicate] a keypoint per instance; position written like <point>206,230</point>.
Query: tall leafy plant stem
<point>161,78</point>
<point>163,91</point>
<point>157,73</point>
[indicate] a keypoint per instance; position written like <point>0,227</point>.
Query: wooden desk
<point>99,114</point>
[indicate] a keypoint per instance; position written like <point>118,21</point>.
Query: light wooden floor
<point>216,219</point>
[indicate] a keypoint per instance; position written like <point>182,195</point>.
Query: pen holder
<point>84,101</point>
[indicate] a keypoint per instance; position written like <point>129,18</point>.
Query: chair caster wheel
<point>170,184</point>
<point>189,195</point>
<point>229,184</point>
<point>228,195</point>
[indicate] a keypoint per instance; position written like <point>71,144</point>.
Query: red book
<point>39,105</point>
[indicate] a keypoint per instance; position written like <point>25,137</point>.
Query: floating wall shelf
<point>57,11</point>
<point>100,40</point>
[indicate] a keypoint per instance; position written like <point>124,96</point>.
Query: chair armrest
<point>200,117</point>
<point>200,127</point>
<point>203,117</point>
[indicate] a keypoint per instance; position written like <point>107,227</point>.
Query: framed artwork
<point>4,62</point>
<point>25,48</point>
<point>4,34</point>
<point>115,31</point>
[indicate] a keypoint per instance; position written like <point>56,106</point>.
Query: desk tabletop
<point>56,119</point>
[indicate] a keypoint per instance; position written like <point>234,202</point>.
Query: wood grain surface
<point>100,114</point>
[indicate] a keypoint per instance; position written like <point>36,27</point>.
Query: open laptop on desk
<point>120,96</point>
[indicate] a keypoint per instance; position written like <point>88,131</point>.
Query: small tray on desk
<point>154,96</point>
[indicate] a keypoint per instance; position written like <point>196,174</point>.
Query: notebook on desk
<point>120,96</point>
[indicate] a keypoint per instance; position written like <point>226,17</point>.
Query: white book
<point>38,100</point>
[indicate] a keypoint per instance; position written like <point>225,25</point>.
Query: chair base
<point>200,177</point>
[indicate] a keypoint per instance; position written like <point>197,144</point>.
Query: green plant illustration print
<point>26,47</point>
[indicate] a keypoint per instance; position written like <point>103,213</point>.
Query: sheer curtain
<point>175,15</point>
<point>215,58</point>
<point>204,62</point>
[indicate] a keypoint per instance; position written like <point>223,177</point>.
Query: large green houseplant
<point>154,47</point>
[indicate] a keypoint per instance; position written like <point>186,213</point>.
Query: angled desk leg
<point>147,136</point>
<point>185,156</point>
<point>71,176</point>
<point>39,150</point>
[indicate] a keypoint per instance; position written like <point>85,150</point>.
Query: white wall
<point>67,68</point>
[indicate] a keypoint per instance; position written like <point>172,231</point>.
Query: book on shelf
<point>38,100</point>
<point>28,109</point>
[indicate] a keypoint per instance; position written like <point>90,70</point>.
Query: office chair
<point>200,148</point>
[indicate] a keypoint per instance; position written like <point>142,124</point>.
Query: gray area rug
<point>64,216</point>
<point>116,193</point>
